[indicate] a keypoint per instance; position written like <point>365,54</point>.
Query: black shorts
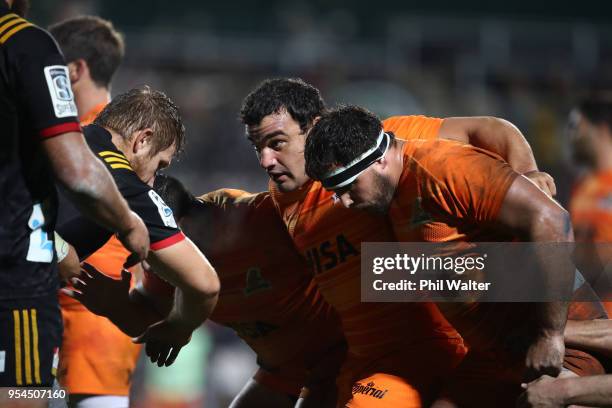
<point>30,336</point>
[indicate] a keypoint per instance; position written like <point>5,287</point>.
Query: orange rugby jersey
<point>329,236</point>
<point>591,211</point>
<point>436,202</point>
<point>267,294</point>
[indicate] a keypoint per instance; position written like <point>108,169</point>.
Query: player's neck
<point>88,95</point>
<point>121,144</point>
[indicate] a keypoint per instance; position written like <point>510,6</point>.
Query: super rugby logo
<point>369,390</point>
<point>60,91</point>
<point>164,211</point>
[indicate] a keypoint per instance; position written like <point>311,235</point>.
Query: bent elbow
<point>552,224</point>
<point>209,286</point>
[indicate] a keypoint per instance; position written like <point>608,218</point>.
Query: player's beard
<point>20,7</point>
<point>383,195</point>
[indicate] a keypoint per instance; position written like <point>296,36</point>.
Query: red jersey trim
<point>166,242</point>
<point>59,129</point>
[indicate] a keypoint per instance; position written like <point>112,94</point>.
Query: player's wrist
<point>182,323</point>
<point>566,390</point>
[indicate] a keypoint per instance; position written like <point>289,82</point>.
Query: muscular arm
<point>593,335</point>
<point>196,282</point>
<point>93,190</point>
<point>534,217</point>
<point>493,134</point>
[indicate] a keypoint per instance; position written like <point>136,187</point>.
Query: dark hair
<point>339,137</point>
<point>93,39</point>
<point>175,195</point>
<point>301,100</point>
<point>597,108</point>
<point>142,108</point>
<point>21,7</point>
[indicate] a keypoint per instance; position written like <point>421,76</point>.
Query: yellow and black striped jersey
<point>36,102</point>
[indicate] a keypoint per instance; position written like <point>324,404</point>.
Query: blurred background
<point>527,62</point>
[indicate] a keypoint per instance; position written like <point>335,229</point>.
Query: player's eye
<point>277,144</point>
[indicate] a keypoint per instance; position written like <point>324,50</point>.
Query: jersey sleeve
<point>413,127</point>
<point>462,181</point>
<point>158,217</point>
<point>41,80</point>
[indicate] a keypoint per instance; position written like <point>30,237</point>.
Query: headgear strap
<point>344,175</point>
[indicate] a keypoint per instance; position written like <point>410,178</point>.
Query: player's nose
<point>346,200</point>
<point>267,159</point>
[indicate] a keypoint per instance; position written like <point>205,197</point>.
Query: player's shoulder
<point>20,34</point>
<point>430,157</point>
<point>394,122</point>
<point>100,142</point>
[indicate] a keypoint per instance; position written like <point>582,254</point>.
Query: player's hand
<point>164,340</point>
<point>544,181</point>
<point>541,393</point>
<point>545,356</point>
<point>69,267</point>
<point>136,239</point>
<point>96,291</point>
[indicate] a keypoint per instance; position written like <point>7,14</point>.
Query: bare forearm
<point>191,308</point>
<point>195,280</point>
<point>593,391</point>
<point>593,335</point>
<point>131,317</point>
<point>505,139</point>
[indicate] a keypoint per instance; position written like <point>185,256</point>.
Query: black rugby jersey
<point>85,235</point>
<point>36,102</point>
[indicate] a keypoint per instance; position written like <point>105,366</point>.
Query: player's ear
<point>311,125</point>
<point>76,70</point>
<point>382,163</point>
<point>141,140</point>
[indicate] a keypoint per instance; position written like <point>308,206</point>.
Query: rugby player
<point>442,191</point>
<point>136,135</point>
<point>267,294</point>
<point>98,373</point>
<point>591,202</point>
<point>397,352</point>
<point>42,138</point>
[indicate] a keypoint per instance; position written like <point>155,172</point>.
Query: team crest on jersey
<point>255,282</point>
<point>62,98</point>
<point>419,215</point>
<point>164,211</point>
